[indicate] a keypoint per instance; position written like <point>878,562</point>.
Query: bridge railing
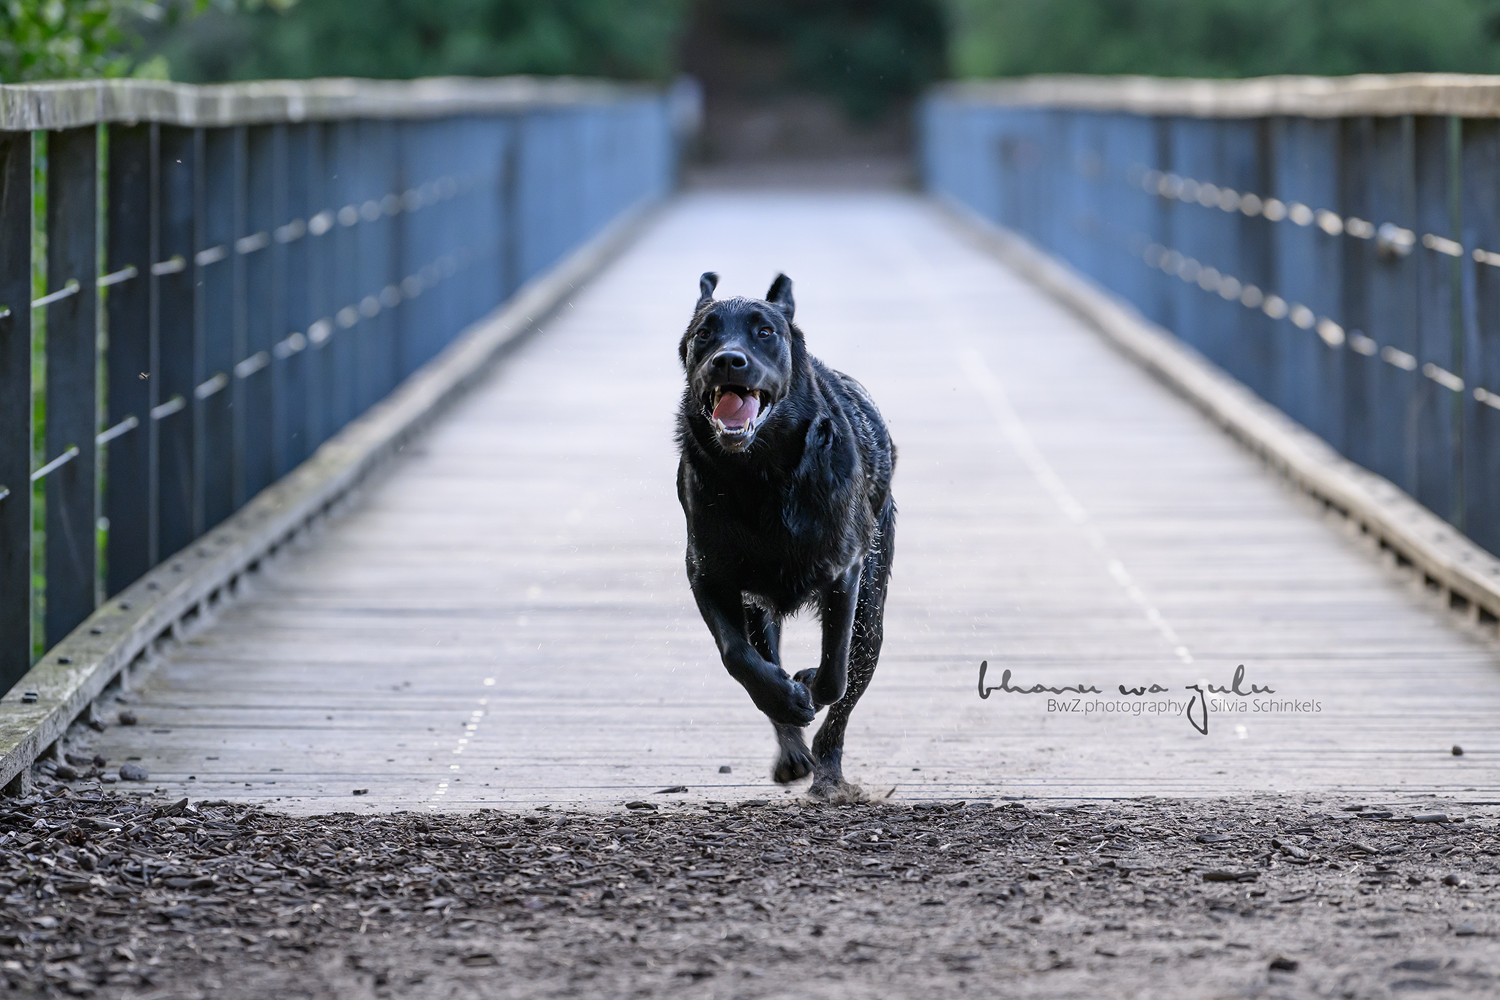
<point>1332,243</point>
<point>199,285</point>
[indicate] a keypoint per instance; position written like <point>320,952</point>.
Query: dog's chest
<point>774,544</point>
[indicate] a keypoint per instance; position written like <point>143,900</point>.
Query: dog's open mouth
<point>735,411</point>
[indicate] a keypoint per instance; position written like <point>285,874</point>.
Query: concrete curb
<point>128,626</point>
<point>1469,576</point>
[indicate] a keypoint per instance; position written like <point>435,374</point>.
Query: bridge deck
<point>504,619</point>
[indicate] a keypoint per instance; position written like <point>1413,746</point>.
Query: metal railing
<point>1333,244</point>
<point>231,274</point>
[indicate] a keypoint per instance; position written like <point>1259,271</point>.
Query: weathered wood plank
<point>523,562</point>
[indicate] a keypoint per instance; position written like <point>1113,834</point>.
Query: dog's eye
<point>764,332</point>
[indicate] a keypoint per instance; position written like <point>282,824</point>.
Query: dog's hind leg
<point>864,653</point>
<point>793,760</point>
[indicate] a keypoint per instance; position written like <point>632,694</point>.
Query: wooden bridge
<point>488,608</point>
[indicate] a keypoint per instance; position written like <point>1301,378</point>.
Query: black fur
<point>791,510</point>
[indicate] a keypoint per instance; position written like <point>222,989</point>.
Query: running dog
<point>785,479</point>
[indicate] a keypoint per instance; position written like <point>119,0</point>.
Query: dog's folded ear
<point>780,296</point>
<point>706,285</point>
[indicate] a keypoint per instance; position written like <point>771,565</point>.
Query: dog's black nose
<point>730,361</point>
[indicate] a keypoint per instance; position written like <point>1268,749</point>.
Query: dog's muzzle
<point>735,412</point>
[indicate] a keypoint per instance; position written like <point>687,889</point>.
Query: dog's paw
<point>796,706</point>
<point>808,678</point>
<point>793,760</point>
<point>836,791</point>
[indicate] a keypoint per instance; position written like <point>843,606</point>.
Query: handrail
<point>275,258</point>
<point>75,103</point>
<point>1334,244</point>
<point>1463,95</point>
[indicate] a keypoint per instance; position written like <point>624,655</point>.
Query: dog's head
<point>740,356</point>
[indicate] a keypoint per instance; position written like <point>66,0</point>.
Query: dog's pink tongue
<point>736,411</point>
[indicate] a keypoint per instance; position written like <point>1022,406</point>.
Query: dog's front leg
<point>836,607</point>
<point>782,699</point>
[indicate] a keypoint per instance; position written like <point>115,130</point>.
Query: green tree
<point>396,39</point>
<point>1223,38</point>
<point>53,39</point>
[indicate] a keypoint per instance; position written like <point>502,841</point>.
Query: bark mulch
<point>114,893</point>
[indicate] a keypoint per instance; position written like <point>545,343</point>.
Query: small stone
<point>77,760</point>
<point>639,805</point>
<point>361,791</point>
<point>671,790</point>
<point>1213,838</point>
<point>1280,964</point>
<point>1466,930</point>
<point>1458,751</point>
<point>133,772</point>
<point>1230,876</point>
<point>1430,818</point>
<point>724,769</point>
<point>99,760</point>
<point>126,717</point>
<point>66,772</point>
<point>1452,878</point>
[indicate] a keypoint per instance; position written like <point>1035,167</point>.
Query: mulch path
<point>115,893</point>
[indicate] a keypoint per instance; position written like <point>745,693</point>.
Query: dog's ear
<point>780,296</point>
<point>706,285</point>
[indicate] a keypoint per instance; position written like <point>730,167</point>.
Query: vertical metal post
<point>1393,307</point>
<point>1309,386</point>
<point>510,193</point>
<point>1437,400</point>
<point>1360,269</point>
<point>322,226</point>
<point>1481,329</point>
<point>343,353</point>
<point>219,326</point>
<point>257,309</point>
<point>174,275</point>
<point>130,451</point>
<point>72,377</point>
<point>15,406</point>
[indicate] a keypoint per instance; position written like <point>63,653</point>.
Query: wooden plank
<point>503,619</point>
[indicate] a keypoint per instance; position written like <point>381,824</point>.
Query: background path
<point>504,619</point>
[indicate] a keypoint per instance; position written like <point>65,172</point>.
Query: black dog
<point>785,479</point>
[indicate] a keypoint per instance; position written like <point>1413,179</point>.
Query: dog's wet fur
<point>785,478</point>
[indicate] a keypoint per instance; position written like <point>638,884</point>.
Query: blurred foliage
<point>1219,38</point>
<point>53,39</point>
<point>865,53</point>
<point>73,39</point>
<point>394,39</point>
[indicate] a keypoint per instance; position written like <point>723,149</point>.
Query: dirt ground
<point>111,893</point>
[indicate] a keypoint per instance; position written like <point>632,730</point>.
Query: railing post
<point>72,378</point>
<point>130,360</point>
<point>256,373</point>
<point>1307,275</point>
<point>1436,442</point>
<point>220,322</point>
<point>178,367</point>
<point>1393,307</point>
<point>15,406</point>
<point>1481,328</point>
<point>1360,270</point>
<point>344,353</point>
